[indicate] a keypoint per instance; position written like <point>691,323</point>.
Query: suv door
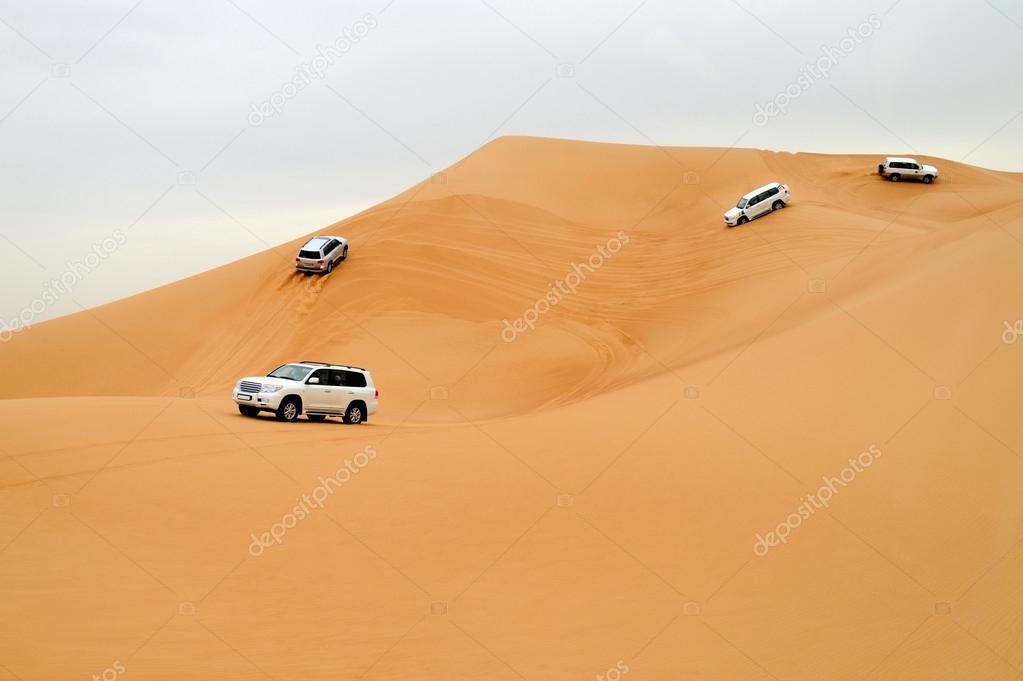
<point>339,396</point>
<point>756,207</point>
<point>356,388</point>
<point>317,396</point>
<point>331,250</point>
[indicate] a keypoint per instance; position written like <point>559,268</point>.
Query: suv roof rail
<point>329,364</point>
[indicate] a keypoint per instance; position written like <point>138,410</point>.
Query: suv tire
<point>742,220</point>
<point>246,410</point>
<point>330,267</point>
<point>928,179</point>
<point>289,410</point>
<point>894,177</point>
<point>778,205</point>
<point>344,254</point>
<point>355,414</point>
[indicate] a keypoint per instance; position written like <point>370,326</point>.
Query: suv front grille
<point>249,387</point>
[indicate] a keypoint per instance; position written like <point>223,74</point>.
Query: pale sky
<point>137,115</point>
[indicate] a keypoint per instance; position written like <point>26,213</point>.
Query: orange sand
<point>584,498</point>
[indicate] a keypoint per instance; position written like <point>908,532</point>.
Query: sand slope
<point>583,498</point>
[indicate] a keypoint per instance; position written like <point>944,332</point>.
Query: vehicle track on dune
<point>310,293</point>
<point>306,287</point>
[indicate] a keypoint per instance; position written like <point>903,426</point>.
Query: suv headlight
<point>272,388</point>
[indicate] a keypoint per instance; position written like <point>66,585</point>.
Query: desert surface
<point>613,483</point>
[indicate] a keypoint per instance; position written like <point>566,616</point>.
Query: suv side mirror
<point>314,380</point>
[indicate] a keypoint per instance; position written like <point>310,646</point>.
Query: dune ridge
<point>482,246</point>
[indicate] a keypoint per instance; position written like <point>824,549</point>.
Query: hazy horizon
<point>205,132</point>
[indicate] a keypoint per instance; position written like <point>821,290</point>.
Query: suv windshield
<point>741,204</point>
<point>292,372</point>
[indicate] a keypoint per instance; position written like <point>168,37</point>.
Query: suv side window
<point>321,374</point>
<point>354,379</point>
<point>336,377</point>
<point>331,246</point>
<point>772,191</point>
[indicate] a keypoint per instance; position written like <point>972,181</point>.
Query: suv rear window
<point>312,255</point>
<point>353,379</point>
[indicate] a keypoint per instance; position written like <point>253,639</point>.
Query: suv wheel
<point>928,179</point>
<point>330,267</point>
<point>289,410</point>
<point>742,220</point>
<point>355,414</point>
<point>894,177</point>
<point>246,410</point>
<point>778,205</point>
<point>344,253</point>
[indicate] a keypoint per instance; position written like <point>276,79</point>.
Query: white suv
<point>770,197</point>
<point>321,253</point>
<point>315,389</point>
<point>895,169</point>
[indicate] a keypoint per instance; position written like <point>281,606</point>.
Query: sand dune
<point>584,498</point>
